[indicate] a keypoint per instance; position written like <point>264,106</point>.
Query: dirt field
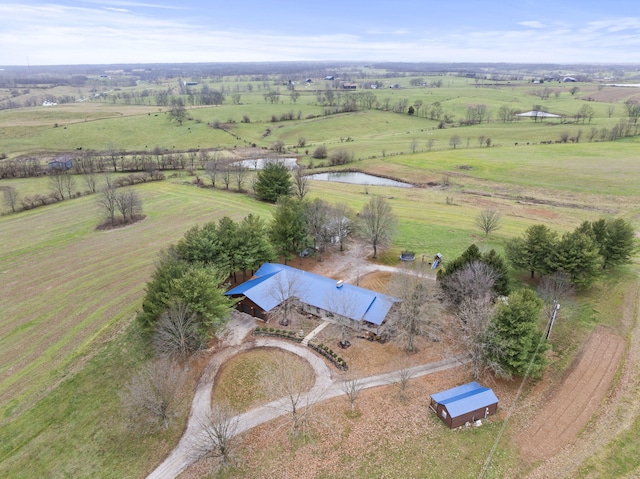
<point>577,399</point>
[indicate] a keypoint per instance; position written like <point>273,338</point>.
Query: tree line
<point>581,254</point>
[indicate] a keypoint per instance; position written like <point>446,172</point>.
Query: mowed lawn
<point>64,284</point>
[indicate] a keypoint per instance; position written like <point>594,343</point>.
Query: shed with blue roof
<point>274,283</point>
<point>464,404</point>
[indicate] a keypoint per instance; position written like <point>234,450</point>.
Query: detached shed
<point>464,404</point>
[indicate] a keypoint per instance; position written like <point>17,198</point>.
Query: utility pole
<point>556,307</point>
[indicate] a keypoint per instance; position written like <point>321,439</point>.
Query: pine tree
<point>516,339</point>
<point>288,232</point>
<point>534,251</point>
<point>273,182</point>
<point>577,255</point>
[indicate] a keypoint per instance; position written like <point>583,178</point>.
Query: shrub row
<point>279,333</point>
<point>292,336</point>
<point>328,353</point>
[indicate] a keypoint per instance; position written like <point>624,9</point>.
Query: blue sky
<point>123,31</point>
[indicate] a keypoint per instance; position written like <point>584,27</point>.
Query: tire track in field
<point>577,399</point>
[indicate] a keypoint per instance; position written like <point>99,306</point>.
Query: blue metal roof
<point>266,290</point>
<point>466,398</point>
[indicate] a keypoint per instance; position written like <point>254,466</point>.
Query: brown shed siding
<point>453,422</point>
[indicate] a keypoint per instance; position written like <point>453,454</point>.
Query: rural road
<point>325,387</point>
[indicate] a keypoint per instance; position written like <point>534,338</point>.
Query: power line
<point>487,461</point>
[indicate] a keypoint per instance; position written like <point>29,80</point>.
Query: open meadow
<point>68,292</point>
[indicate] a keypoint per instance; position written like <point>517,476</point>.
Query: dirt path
<point>352,265</point>
<point>325,387</point>
<point>577,399</point>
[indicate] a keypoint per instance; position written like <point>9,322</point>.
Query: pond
<point>259,163</point>
<point>358,178</point>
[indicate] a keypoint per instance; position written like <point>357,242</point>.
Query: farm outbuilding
<point>61,164</point>
<point>464,404</point>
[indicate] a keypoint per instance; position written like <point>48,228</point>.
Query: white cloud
<point>113,31</point>
<point>532,24</point>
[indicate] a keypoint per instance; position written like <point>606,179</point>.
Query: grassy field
<point>65,284</point>
<point>100,123</point>
<point>68,292</point>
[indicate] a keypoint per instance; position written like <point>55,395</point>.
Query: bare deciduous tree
<point>300,183</point>
<point>352,387</point>
<point>471,333</point>
<point>340,224</point>
<point>177,335</point>
<point>343,311</point>
<point>377,223</point>
<point>401,377</point>
<point>317,214</point>
<point>488,221</point>
<point>154,395</point>
<point>88,166</point>
<point>226,175</point>
<point>291,380</point>
<point>128,203</point>
<point>107,203</point>
<point>475,280</point>
<point>285,290</point>
<point>471,292</point>
<point>10,197</point>
<point>553,288</point>
<point>61,182</point>
<point>415,316</point>
<point>219,434</point>
<point>212,168</point>
<point>240,173</point>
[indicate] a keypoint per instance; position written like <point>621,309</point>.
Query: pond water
<point>259,163</point>
<point>358,178</point>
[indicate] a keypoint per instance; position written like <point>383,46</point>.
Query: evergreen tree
<point>577,254</point>
<point>200,288</point>
<point>620,245</point>
<point>254,249</point>
<point>534,251</point>
<point>615,240</point>
<point>203,244</point>
<point>288,230</point>
<point>516,339</point>
<point>502,286</point>
<point>273,182</point>
<point>230,243</point>
<point>196,285</point>
<point>158,291</point>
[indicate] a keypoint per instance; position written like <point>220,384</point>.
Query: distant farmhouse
<point>63,163</point>
<point>317,295</point>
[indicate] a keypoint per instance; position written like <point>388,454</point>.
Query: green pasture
<point>605,170</point>
<point>99,124</point>
<point>54,262</point>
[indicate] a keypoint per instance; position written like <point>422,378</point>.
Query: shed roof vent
<point>339,284</point>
